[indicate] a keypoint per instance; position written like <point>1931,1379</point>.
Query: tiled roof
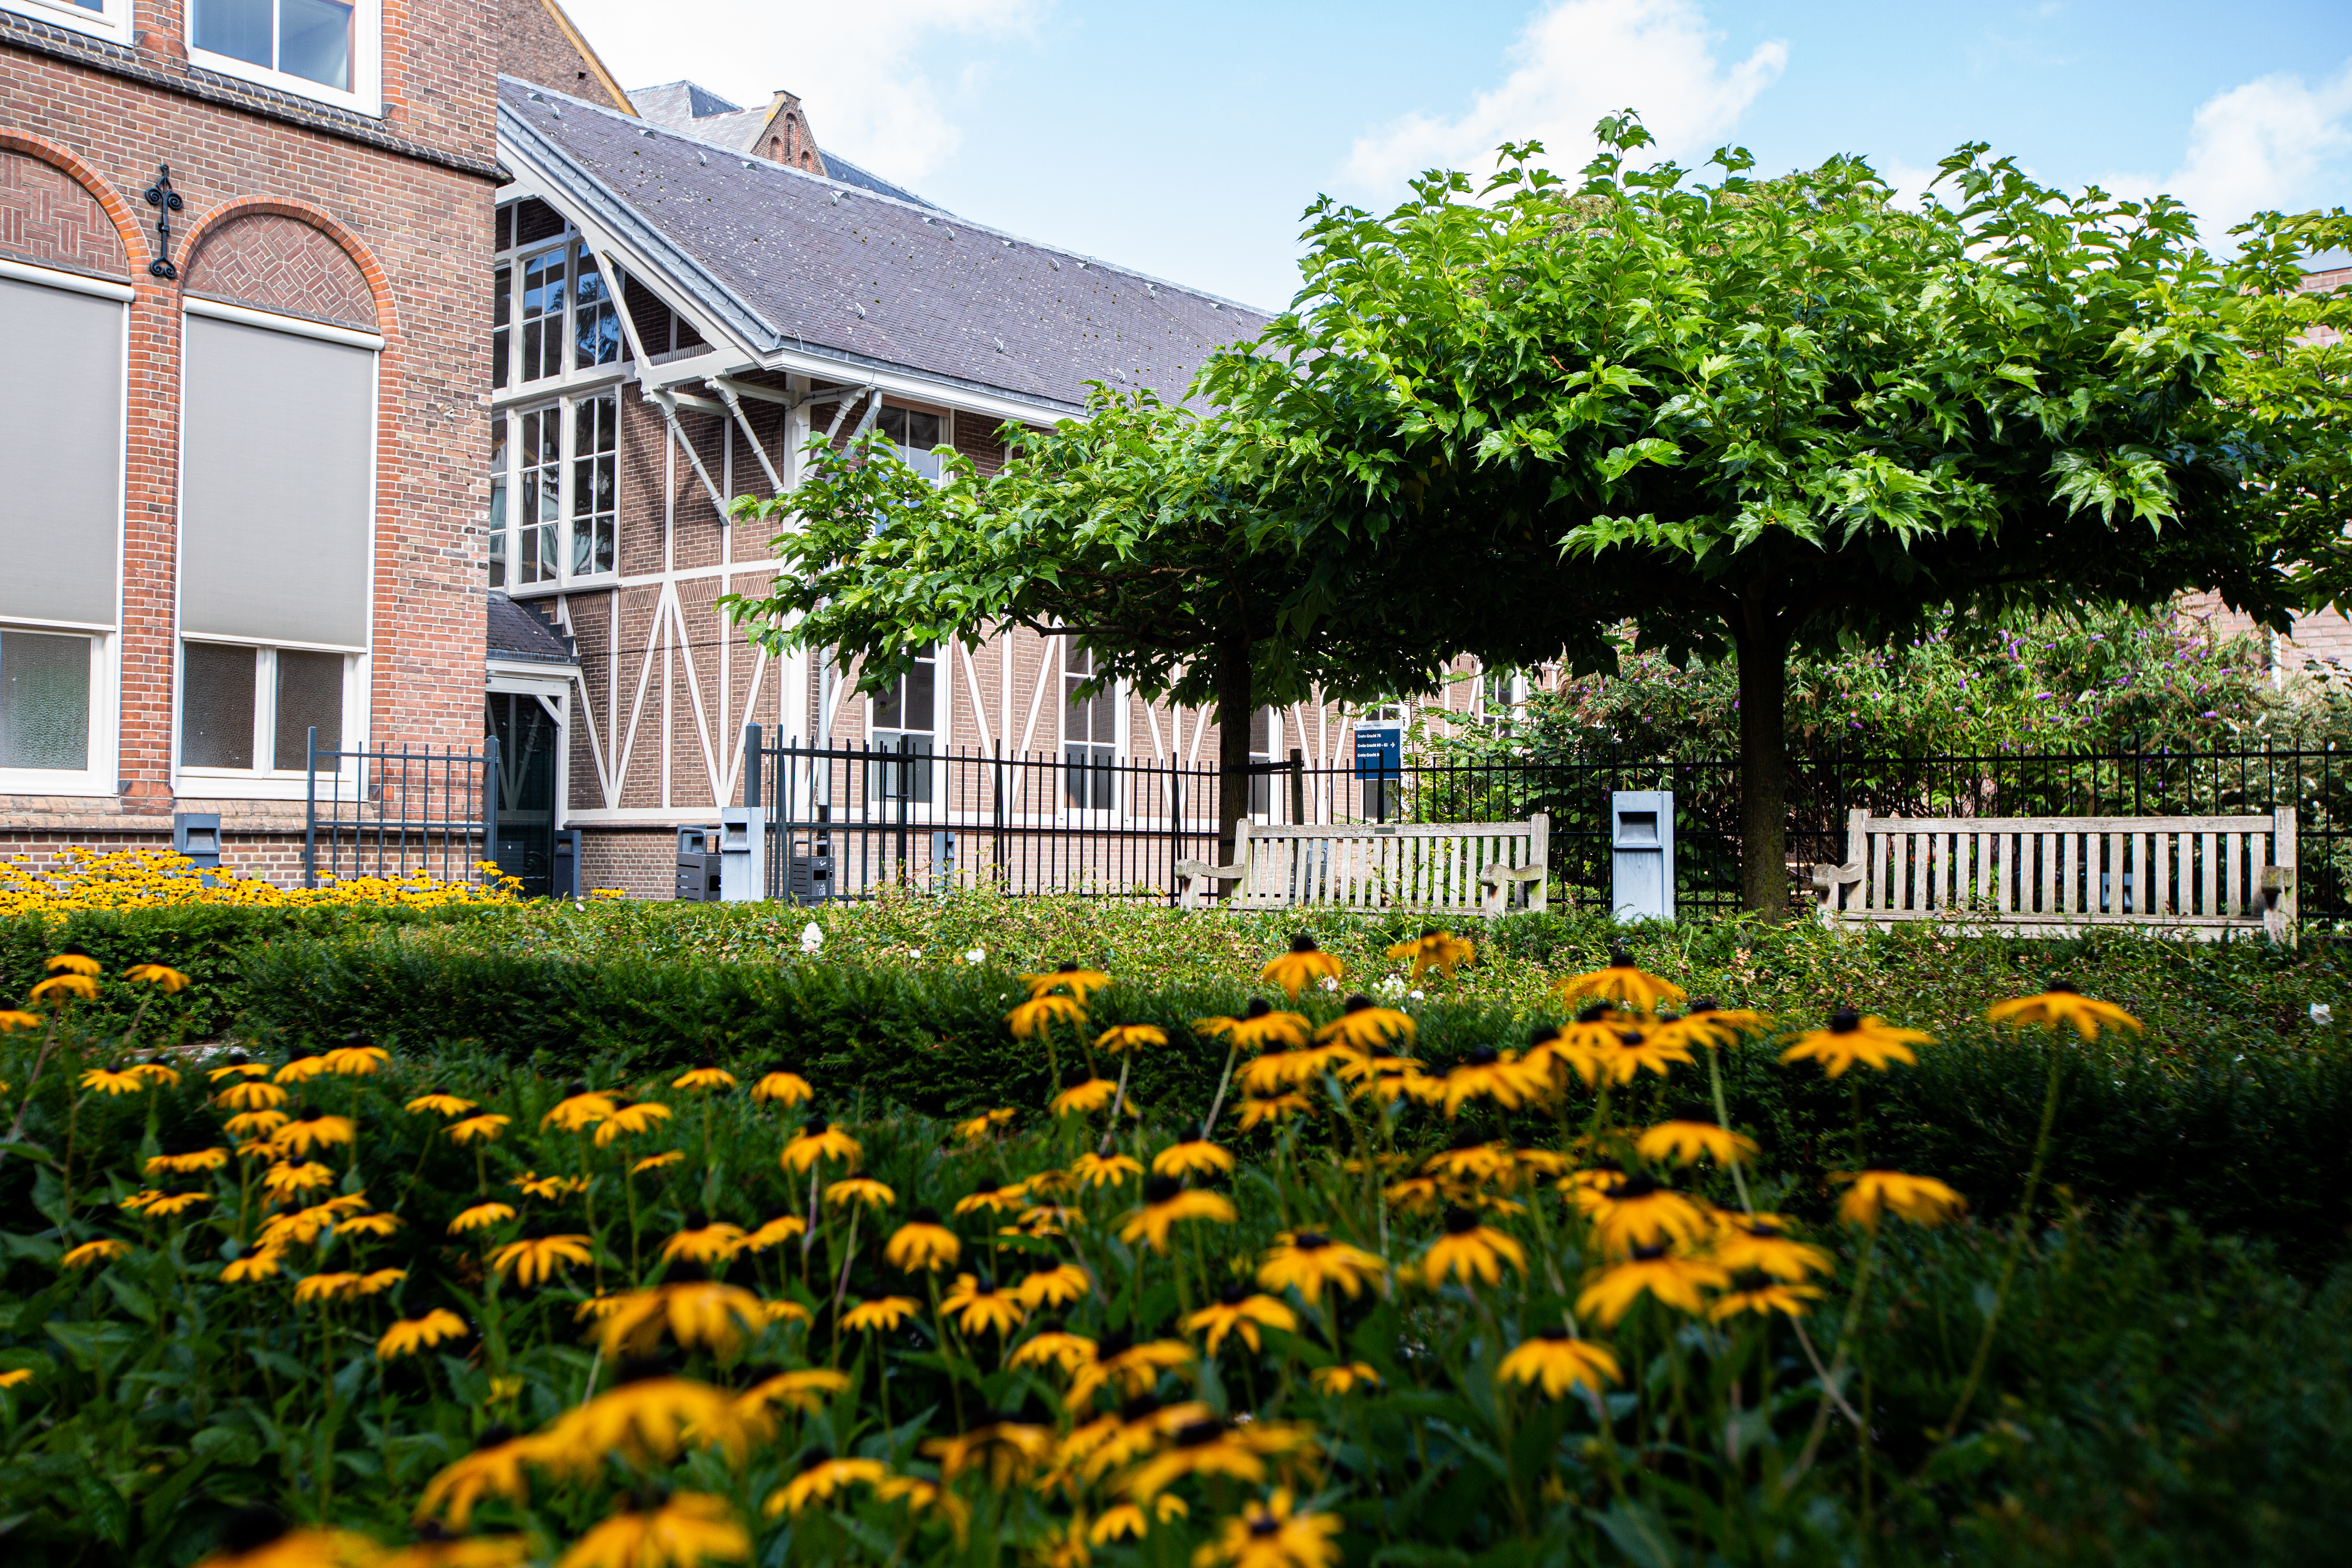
<point>515,631</point>
<point>795,261</point>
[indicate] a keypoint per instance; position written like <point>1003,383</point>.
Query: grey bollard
<point>1641,855</point>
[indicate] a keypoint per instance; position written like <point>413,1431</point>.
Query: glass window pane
<point>922,432</point>
<point>43,701</point>
<point>216,706</point>
<point>890,706</point>
<point>506,227</point>
<point>919,695</point>
<point>315,42</point>
<point>310,692</point>
<point>237,29</point>
<point>892,422</point>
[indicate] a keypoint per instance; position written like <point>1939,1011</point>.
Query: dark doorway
<point>528,737</point>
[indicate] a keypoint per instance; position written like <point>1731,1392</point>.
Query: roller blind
<point>276,493</point>
<point>61,453</point>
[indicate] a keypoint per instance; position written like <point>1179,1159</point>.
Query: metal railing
<point>389,811</point>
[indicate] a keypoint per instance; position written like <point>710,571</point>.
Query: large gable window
<point>326,49</point>
<point>552,312</point>
<point>555,491</point>
<point>904,721</point>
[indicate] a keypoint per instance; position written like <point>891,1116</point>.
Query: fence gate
<point>385,810</point>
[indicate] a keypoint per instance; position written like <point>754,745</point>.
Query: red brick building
<point>242,444</point>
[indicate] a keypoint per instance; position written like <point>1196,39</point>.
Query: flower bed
<point>88,879</point>
<point>1559,1301</point>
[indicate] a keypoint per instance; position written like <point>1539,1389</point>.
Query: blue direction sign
<point>1379,749</point>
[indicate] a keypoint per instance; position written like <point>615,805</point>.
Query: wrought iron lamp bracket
<point>165,201</point>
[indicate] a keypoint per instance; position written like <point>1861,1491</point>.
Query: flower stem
<point>2017,1234</point>
<point>1223,1083</point>
<point>1110,1128</point>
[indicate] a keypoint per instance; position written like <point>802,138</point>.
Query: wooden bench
<point>1468,867</point>
<point>2202,877</point>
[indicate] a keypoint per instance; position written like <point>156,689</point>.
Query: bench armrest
<point>1497,881</point>
<point>1190,874</point>
<point>1828,880</point>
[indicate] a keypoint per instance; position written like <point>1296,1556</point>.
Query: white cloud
<point>1577,61</point>
<point>861,74</point>
<point>2274,142</point>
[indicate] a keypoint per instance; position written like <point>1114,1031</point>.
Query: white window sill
<point>370,102</point>
<point>113,24</point>
<point>234,783</point>
<point>88,784</point>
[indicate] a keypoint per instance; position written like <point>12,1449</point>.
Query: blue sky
<point>1186,139</point>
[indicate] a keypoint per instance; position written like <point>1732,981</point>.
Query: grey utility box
<point>1641,855</point>
<point>196,836</point>
<point>699,862</point>
<point>741,840</point>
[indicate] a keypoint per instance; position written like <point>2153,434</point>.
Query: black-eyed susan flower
<point>1256,1109</point>
<point>1850,1038</point>
<point>2060,1005</point>
<point>712,1242</point>
<point>90,1253</point>
<point>1007,1450</point>
<point>186,1162</point>
<point>299,1228</point>
<point>1259,1027</point>
<point>1195,1156</point>
<point>1488,1074</point>
<point>805,1389</point>
<point>259,1127</point>
<point>1471,1157</point>
<point>1129,1522</point>
<point>484,1128</point>
<point>821,1139</point>
<point>661,1162</point>
<point>314,1128</point>
<point>1580,1048</point>
<point>13,1019</point>
<point>1344,1377</point>
<point>989,1197</point>
<point>1757,1245</point>
<point>1056,1287</point>
<point>1301,966</point>
<point>157,975</point>
<point>287,1179</point>
<point>374,1226</point>
<point>1362,1026</point>
<point>705,1080</point>
<point>1691,1135</point>
<point>258,1264</point>
<point>1557,1363</point>
<point>1471,1251</point>
<point>1639,1211</point>
<point>547,1189</point>
<point>1413,1195</point>
<point>979,1307</point>
<point>251,1095</point>
<point>781,1312</point>
<point>1075,979</point>
<point>1275,1533</point>
<point>922,1243</point>
<point>884,1314</point>
<point>480,1216</point>
<point>102,1080</point>
<point>56,987</point>
<point>1308,1260</point>
<point>1121,1038</point>
<point>328,1287</point>
<point>1106,1170</point>
<point>1132,1366</point>
<point>497,1467</point>
<point>1762,1296</point>
<point>823,1478</point>
<point>1636,1050</point>
<point>864,1190</point>
<point>924,1498</point>
<point>376,1282</point>
<point>1922,1200</point>
<point>164,1206</point>
<point>649,1416</point>
<point>410,1335</point>
<point>1167,1202</point>
<point>541,1257</point>
<point>75,960</point>
<point>1621,981</point>
<point>1084,1097</point>
<point>1434,949</point>
<point>684,1530</point>
<point>237,1065</point>
<point>774,1233</point>
<point>16,1377</point>
<point>701,1314</point>
<point>1033,1019</point>
<point>157,1073</point>
<point>356,1061</point>
<point>631,1121</point>
<point>781,1086</point>
<point>438,1102</point>
<point>1710,1025</point>
<point>1380,1071</point>
<point>1205,1448</point>
<point>302,1065</point>
<point>1239,1311</point>
<point>1674,1280</point>
<point>1054,1347</point>
<point>976,1129</point>
<point>581,1109</point>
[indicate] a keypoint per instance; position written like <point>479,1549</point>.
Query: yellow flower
<point>979,1306</point>
<point>166,1205</point>
<point>711,1243</point>
<point>1033,1019</point>
<point>1622,982</point>
<point>157,975</point>
<point>300,1228</point>
<point>987,1121</point>
<point>1470,1251</point>
<point>704,1078</point>
<point>1852,1038</point>
<point>1201,1449</point>
<point>155,1072</point>
<point>1308,1260</point>
<point>1286,1070</point>
<point>440,1102</point>
<point>774,1233</point>
<point>1084,1099</point>
<point>629,1120</point>
<point>11,1020</point>
<point>65,985</point>
<point>481,1216</point>
<point>1121,1038</point>
<point>690,1527</point>
<point>820,1479</point>
<point>258,1125</point>
<point>1490,1074</point>
<point>652,1418</point>
<point>578,1110</point>
<point>699,1313</point>
<point>1305,962</point>
<point>821,1139</point>
<point>549,1189</point>
<point>477,1129</point>
<point>1238,1311</point>
<point>302,1066</point>
<point>1258,1110</point>
<point>1690,1136</point>
<point>1363,1026</point>
<point>1710,1026</point>
<point>495,1468</point>
<point>1756,1246</point>
<point>286,1179</point>
<point>258,1264</point>
<point>1636,1211</point>
<point>74,960</point>
<point>539,1257</point>
<point>1652,1271</point>
<point>104,1251</point>
<point>1055,1348</point>
<point>1193,1157</point>
<point>783,1088</point>
<point>1127,1522</point>
<point>113,1083</point>
<point>1079,983</point>
<point>356,1061</point>
<point>787,1312</point>
<point>314,1130</point>
<point>1056,1287</point>
<point>1105,1170</point>
<point>661,1162</point>
<point>1258,1027</point>
<point>922,1243</point>
<point>1008,1450</point>
<point>1634,1049</point>
<point>1167,1202</point>
<point>1922,1200</point>
<point>1344,1377</point>
<point>16,1377</point>
<point>2062,1004</point>
<point>413,1335</point>
<point>1435,949</point>
<point>237,1067</point>
<point>326,1287</point>
<point>885,1313</point>
<point>1763,1297</point>
<point>1470,1158</point>
<point>1558,1363</point>
<point>928,1496</point>
<point>376,1225</point>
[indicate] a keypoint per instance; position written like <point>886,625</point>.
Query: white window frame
<point>267,784</point>
<point>98,777</point>
<point>111,20</point>
<point>566,408</point>
<point>1092,816</point>
<point>876,736</point>
<point>366,96</point>
<point>578,255</point>
<point>924,460</point>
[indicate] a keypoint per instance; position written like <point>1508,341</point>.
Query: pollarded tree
<point>1141,531</point>
<point>1759,415</point>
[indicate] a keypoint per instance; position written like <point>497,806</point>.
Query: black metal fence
<point>389,811</point>
<point>845,822</point>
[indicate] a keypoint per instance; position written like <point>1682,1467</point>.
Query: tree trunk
<point>1232,654</point>
<point>1763,652</point>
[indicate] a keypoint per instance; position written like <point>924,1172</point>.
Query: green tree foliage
<point>1766,417</point>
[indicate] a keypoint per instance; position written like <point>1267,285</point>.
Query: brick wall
<point>539,42</point>
<point>296,207</point>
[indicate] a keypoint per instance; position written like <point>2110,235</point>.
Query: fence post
<point>311,814</point>
<point>1298,787</point>
<point>489,803</point>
